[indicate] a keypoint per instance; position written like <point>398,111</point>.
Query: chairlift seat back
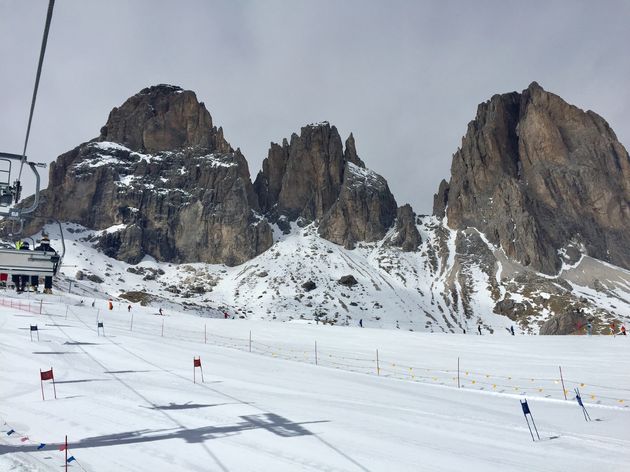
<point>38,263</point>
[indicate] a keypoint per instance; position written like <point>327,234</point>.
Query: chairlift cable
<point>51,5</point>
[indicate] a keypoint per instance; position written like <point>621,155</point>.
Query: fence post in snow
<point>315,352</point>
<point>67,311</point>
<point>378,367</point>
<point>41,302</point>
<point>131,324</point>
<point>162,327</point>
<point>564,390</point>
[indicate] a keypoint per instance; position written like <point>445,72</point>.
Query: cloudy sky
<point>404,76</point>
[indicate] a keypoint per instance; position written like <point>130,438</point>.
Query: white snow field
<point>127,401</point>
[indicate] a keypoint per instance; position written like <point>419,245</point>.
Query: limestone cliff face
<point>166,180</point>
<point>537,176</point>
<point>313,178</point>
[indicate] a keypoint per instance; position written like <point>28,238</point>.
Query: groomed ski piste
<point>307,396</point>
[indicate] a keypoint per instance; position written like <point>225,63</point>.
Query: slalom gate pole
<point>530,429</point>
<point>66,449</point>
<point>250,340</point>
<point>564,390</point>
<point>162,328</point>
<point>315,352</point>
<point>202,380</point>
<point>458,385</point>
<point>534,423</point>
<point>378,367</point>
<point>131,325</point>
<point>54,387</point>
<point>38,335</point>
<point>41,383</point>
<point>41,302</point>
<point>194,372</point>
<point>67,311</point>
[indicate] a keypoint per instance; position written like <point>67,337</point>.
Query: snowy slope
<point>127,401</point>
<point>451,284</point>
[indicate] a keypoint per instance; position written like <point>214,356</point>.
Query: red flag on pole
<point>47,375</point>
<point>197,362</point>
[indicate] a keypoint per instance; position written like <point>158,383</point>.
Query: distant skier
<point>110,304</point>
<point>623,330</point>
<point>93,302</point>
<point>129,308</point>
<point>612,329</point>
<point>397,325</point>
<point>161,313</point>
<point>512,330</point>
<point>589,328</point>
<point>479,329</point>
<point>225,315</point>
<point>361,322</point>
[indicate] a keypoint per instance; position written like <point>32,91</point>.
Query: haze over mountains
<point>539,192</point>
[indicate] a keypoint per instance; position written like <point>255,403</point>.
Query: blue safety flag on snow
<point>41,446</point>
<point>525,407</point>
<point>10,432</point>
<point>579,400</point>
<point>70,459</point>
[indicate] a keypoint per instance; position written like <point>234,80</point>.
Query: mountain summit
<point>542,179</point>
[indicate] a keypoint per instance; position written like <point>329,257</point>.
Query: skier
<point>512,330</point>
<point>589,328</point>
<point>612,328</point>
<point>479,329</point>
<point>397,326</point>
<point>361,322</point>
<point>623,330</point>
<point>129,308</point>
<point>44,245</point>
<point>161,312</point>
<point>110,304</point>
<point>225,315</point>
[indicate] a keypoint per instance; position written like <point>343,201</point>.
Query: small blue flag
<point>70,459</point>
<point>41,446</point>
<point>579,400</point>
<point>9,433</point>
<point>525,407</point>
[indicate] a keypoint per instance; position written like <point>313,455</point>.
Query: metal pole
<point>564,390</point>
<point>41,382</point>
<point>41,302</point>
<point>66,449</point>
<point>315,352</point>
<point>70,286</point>
<point>378,367</point>
<point>458,386</point>
<point>250,340</point>
<point>131,326</point>
<point>162,328</point>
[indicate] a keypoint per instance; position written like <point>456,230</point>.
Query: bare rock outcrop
<point>406,234</point>
<point>313,178</point>
<point>536,176</point>
<point>163,182</point>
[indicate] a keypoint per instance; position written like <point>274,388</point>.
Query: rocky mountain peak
<point>537,175</point>
<point>163,118</point>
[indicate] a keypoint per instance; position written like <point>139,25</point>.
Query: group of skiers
<point>21,281</point>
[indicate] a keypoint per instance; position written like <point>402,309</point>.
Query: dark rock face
<point>348,280</point>
<point>407,235</point>
<point>314,178</point>
<point>169,180</point>
<point>537,175</point>
<point>563,323</point>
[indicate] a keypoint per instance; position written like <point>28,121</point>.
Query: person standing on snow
<point>512,330</point>
<point>623,330</point>
<point>589,328</point>
<point>361,322</point>
<point>128,308</point>
<point>479,329</point>
<point>161,312</point>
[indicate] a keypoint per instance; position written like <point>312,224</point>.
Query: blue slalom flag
<point>525,407</point>
<point>10,432</point>
<point>41,446</point>
<point>579,400</point>
<point>70,459</point>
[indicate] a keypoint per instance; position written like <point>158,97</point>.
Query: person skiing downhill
<point>623,330</point>
<point>479,329</point>
<point>361,322</point>
<point>161,312</point>
<point>512,330</point>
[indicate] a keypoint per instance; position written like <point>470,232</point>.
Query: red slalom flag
<point>62,447</point>
<point>24,439</point>
<point>47,375</point>
<point>197,362</point>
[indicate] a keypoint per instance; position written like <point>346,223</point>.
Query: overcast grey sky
<point>404,76</point>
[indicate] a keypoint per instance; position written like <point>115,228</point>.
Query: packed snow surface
<point>127,401</point>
